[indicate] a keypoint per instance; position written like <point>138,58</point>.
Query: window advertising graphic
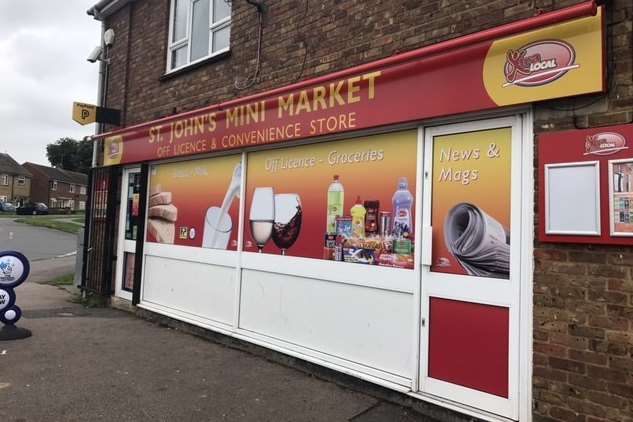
<point>471,203</point>
<point>349,200</point>
<point>195,203</point>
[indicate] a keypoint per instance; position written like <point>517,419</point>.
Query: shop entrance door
<point>471,269</point>
<point>129,216</point>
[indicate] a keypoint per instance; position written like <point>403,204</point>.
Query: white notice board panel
<point>572,198</point>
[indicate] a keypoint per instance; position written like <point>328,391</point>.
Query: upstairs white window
<point>20,180</point>
<point>72,189</point>
<point>4,179</point>
<point>54,185</point>
<point>82,190</point>
<point>198,29</point>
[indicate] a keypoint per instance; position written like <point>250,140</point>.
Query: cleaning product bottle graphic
<point>358,212</point>
<point>335,203</point>
<point>402,202</point>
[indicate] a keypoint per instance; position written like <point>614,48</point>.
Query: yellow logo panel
<point>557,61</point>
<point>112,150</point>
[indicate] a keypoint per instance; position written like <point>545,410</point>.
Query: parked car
<point>32,208</point>
<point>7,207</point>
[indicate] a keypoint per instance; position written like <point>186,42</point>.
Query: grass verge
<point>63,280</point>
<point>51,223</point>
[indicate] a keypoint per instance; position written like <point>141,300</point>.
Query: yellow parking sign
<point>84,113</point>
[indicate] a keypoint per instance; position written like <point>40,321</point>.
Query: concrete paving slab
<point>107,365</point>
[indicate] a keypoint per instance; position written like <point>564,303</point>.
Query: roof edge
<point>105,8</point>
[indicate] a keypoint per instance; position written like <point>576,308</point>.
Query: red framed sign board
<point>580,170</point>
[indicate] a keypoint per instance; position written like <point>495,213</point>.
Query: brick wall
<point>583,295</point>
<point>15,192</point>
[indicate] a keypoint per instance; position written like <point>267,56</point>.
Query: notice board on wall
<point>586,186</point>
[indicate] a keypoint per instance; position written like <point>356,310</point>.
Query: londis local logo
<point>539,63</point>
<point>113,150</point>
<point>605,143</point>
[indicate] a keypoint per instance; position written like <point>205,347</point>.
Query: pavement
<point>36,243</point>
<point>103,364</point>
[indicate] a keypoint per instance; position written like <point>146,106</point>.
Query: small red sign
<point>605,143</point>
<point>539,63</point>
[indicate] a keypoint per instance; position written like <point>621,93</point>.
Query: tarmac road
<point>36,243</point>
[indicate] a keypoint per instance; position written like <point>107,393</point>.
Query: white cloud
<point>43,69</point>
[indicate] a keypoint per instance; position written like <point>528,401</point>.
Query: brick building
<point>566,324</point>
<point>15,181</point>
<point>58,188</point>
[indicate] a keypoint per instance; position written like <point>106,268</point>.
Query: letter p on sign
<point>84,113</point>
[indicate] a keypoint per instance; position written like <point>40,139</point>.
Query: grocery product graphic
<point>335,200</point>
<point>262,216</point>
<point>358,212</point>
<point>335,203</point>
<point>162,215</point>
<point>402,202</point>
<point>217,223</point>
<point>194,203</point>
<point>287,220</point>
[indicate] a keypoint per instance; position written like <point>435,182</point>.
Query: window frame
<point>20,180</point>
<point>71,189</point>
<point>186,40</point>
<point>82,190</point>
<point>4,179</point>
<point>54,185</point>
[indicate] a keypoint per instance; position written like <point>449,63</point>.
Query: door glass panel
<point>470,212</point>
<point>128,271</point>
<point>133,206</point>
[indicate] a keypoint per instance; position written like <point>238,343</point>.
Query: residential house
<point>58,188</point>
<point>15,181</point>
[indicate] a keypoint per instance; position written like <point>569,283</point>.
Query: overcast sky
<point>43,69</point>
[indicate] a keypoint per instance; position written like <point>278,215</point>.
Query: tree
<point>70,154</point>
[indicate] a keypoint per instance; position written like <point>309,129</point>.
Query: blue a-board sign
<point>14,270</point>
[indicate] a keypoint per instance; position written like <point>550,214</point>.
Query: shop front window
<point>350,200</point>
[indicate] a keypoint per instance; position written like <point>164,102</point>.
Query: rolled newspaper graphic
<point>479,242</point>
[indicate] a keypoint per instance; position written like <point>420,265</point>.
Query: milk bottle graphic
<point>402,202</point>
<point>335,203</point>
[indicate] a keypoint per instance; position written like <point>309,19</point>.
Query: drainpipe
<point>101,87</point>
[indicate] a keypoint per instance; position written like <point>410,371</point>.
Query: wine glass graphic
<point>262,216</point>
<point>287,220</point>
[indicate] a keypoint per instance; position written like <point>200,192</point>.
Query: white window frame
<point>54,186</point>
<point>4,179</point>
<point>20,181</point>
<point>174,45</point>
<point>82,190</point>
<point>71,189</point>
